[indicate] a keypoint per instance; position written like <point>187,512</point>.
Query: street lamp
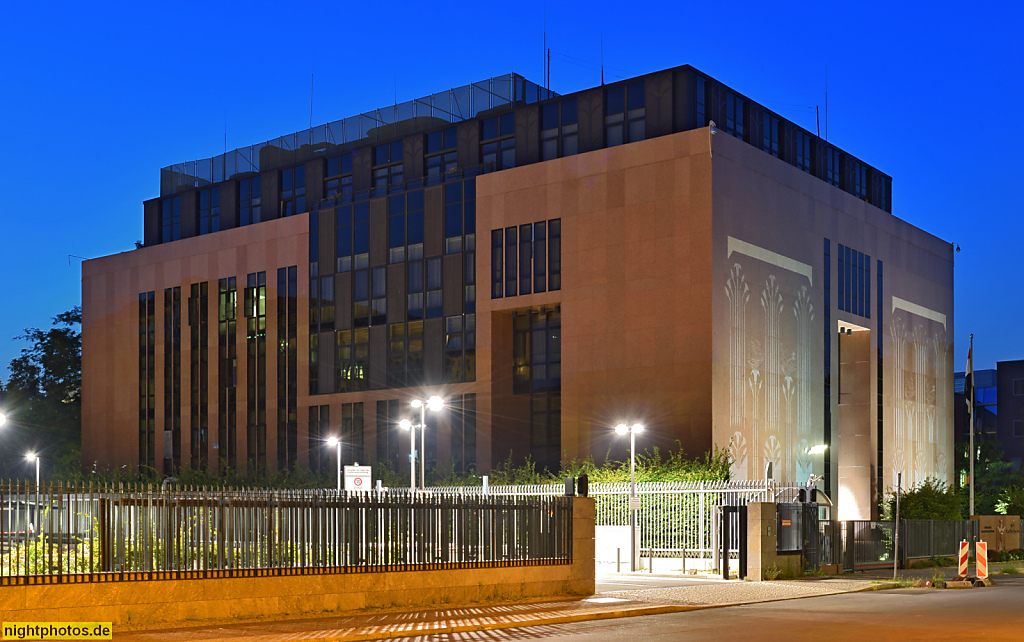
<point>34,457</point>
<point>334,441</point>
<point>405,424</point>
<point>31,456</point>
<point>632,431</point>
<point>435,404</point>
<point>3,418</point>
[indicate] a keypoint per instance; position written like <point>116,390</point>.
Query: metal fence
<point>863,545</point>
<point>67,534</point>
<point>393,121</point>
<point>675,518</point>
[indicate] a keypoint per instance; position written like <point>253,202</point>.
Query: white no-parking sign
<point>358,478</point>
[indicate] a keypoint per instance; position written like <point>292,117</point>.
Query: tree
<point>931,499</point>
<point>991,475</point>
<point>43,396</point>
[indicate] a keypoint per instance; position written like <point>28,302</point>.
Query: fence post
<point>702,519</point>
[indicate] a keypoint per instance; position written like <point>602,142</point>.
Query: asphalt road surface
<point>994,613</point>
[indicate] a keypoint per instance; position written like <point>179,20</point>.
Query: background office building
<point>551,266</point>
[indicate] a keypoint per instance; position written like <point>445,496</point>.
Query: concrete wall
<point>763,543</point>
<point>636,230</point>
<point>770,222</point>
<point>150,604</point>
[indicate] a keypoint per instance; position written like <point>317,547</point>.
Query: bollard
<point>618,560</point>
<point>963,558</point>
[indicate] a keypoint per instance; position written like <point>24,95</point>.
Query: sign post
<point>358,478</point>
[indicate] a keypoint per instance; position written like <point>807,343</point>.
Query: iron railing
<point>675,518</point>
<point>863,545</point>
<point>70,534</point>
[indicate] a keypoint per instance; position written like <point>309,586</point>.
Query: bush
<point>931,499</point>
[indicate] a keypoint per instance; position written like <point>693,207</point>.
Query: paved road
<point>907,614</point>
<point>638,582</point>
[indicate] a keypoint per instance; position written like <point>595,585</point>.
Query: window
<point>249,200</point>
<point>526,259</point>
<point>463,427</point>
<point>546,429</point>
<point>199,397</point>
<point>1018,387</point>
<point>353,236</point>
<point>387,167</point>
<point>497,265</point>
<point>699,110</point>
<point>353,359</point>
<point>879,191</point>
<point>209,210</point>
<point>352,432</point>
<point>537,350</point>
<point>424,288</point>
<point>405,226</point>
<point>405,354</point>
<point>498,143</point>
<point>369,297</point>
<point>287,369</point>
<point>770,134</point>
<point>559,124</point>
<point>319,430</point>
<point>833,163</point>
<point>441,157</point>
<point>321,304</point>
<point>227,372</point>
<point>390,440</point>
<point>170,219</point>
<point>801,157</point>
<point>734,115</point>
<point>624,113</point>
<point>1018,428</point>
<point>172,380</point>
<point>338,177</point>
<point>147,378</point>
<point>460,348</point>
<point>460,217</point>
<point>293,191</point>
<point>854,282</point>
<point>255,308</point>
<point>857,183</point>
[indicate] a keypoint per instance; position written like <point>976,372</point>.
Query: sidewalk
<point>609,605</point>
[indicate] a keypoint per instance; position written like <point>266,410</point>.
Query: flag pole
<point>970,365</point>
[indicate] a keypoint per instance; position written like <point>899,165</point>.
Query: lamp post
<point>623,429</point>
<point>31,456</point>
<point>435,404</point>
<point>336,442</point>
<point>405,424</point>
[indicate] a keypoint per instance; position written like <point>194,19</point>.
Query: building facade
<point>662,249</point>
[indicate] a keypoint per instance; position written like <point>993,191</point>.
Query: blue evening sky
<point>97,97</point>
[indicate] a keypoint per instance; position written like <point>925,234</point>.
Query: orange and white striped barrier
<point>964,548</point>
<point>981,560</point>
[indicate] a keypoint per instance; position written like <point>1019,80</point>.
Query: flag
<point>969,380</point>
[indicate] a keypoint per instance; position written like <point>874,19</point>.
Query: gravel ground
<point>741,592</point>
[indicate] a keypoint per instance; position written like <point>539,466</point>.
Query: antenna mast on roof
<point>544,65</point>
<point>602,60</point>
<point>826,102</point>
<point>312,68</point>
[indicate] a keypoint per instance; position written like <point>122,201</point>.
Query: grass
<point>1009,569</point>
<point>899,582</point>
